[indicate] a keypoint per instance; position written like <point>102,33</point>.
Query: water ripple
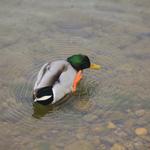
<point>21,91</point>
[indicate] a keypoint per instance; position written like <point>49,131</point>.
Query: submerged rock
<point>141,131</point>
<point>111,125</point>
<point>140,112</point>
<point>120,133</point>
<point>117,146</point>
<point>138,144</point>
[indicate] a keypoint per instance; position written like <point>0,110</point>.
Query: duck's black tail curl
<point>44,95</point>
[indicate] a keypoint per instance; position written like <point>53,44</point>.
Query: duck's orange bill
<point>77,79</point>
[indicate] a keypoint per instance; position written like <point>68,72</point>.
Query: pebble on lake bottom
<point>141,131</point>
<point>117,146</point>
<point>111,125</point>
<point>140,112</point>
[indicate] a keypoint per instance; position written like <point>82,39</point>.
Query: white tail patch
<point>43,98</point>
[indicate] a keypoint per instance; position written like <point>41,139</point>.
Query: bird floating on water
<point>58,78</point>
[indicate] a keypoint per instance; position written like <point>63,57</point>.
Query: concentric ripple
<point>20,95</point>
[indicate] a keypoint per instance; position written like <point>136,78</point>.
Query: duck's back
<point>64,84</point>
<point>57,74</point>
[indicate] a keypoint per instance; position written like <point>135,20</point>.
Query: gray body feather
<point>58,74</point>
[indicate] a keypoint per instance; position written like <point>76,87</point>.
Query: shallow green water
<point>110,104</point>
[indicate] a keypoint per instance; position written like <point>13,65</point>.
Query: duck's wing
<point>49,74</point>
<point>40,74</point>
<point>64,86</point>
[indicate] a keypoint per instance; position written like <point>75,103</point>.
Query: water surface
<point>109,105</point>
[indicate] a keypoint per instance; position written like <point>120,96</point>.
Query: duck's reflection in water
<point>41,110</point>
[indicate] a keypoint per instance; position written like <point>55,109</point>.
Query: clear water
<point>115,34</point>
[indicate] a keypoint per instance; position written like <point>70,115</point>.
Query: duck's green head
<point>80,62</point>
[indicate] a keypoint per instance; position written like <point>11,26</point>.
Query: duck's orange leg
<point>77,79</point>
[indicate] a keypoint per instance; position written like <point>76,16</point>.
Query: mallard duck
<point>59,78</point>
